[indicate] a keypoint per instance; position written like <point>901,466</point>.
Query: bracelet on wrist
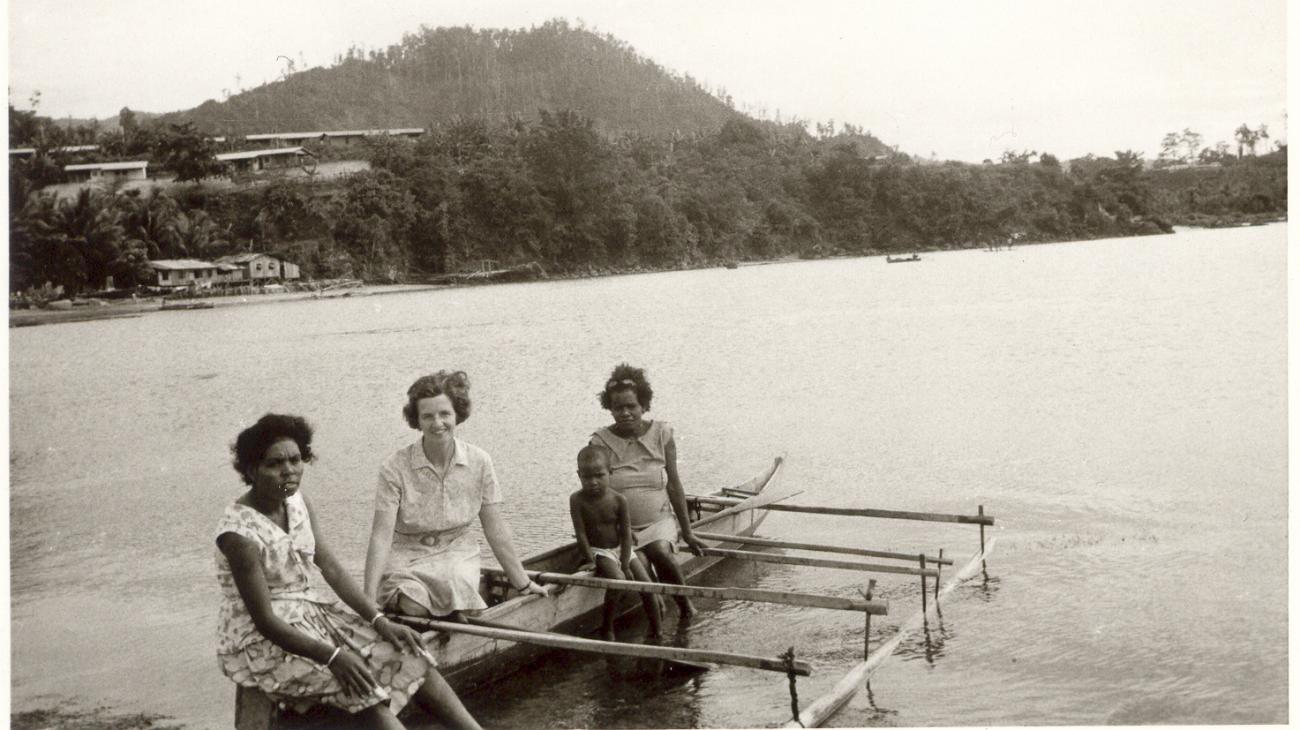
<point>377,617</point>
<point>524,587</point>
<point>333,656</point>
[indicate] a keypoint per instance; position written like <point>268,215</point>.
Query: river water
<point>1119,406</point>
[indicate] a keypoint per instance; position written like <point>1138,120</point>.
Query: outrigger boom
<point>806,600</point>
<point>595,646</point>
<point>888,514</point>
<point>814,547</point>
<point>828,704</point>
<point>820,562</point>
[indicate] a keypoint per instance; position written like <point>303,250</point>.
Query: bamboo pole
<point>736,506</point>
<point>980,519</point>
<point>574,643</point>
<point>817,562</point>
<point>941,563</point>
<point>923,586</point>
<point>866,634</point>
<point>806,600</point>
<point>767,542</point>
<point>982,534</point>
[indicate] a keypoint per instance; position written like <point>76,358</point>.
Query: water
<point>1118,405</point>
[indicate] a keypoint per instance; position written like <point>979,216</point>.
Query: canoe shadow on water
<point>572,690</point>
<point>635,674</point>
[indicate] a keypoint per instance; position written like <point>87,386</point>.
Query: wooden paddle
<point>573,643</point>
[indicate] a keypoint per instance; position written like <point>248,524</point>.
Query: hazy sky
<point>963,80</point>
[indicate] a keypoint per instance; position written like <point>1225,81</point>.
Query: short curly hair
<point>626,377</point>
<point>252,443</point>
<point>593,451</point>
<point>453,384</point>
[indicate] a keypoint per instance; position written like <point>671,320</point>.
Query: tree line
<point>556,191</point>
<point>1185,148</point>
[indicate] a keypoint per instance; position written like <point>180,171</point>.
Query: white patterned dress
<point>298,596</point>
<point>434,560</point>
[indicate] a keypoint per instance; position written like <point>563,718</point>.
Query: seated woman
<point>423,559</point>
<point>644,471</point>
<point>277,631</point>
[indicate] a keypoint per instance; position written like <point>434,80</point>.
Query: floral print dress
<point>298,596</point>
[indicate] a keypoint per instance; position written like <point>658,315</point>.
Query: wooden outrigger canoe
<point>515,630</point>
<point>472,661</point>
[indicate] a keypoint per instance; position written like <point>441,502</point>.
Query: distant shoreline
<point>140,307</point>
<point>137,308</point>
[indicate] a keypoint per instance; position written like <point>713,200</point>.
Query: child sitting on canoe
<point>604,532</point>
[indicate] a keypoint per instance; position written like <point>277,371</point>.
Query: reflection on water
<point>1119,406</point>
<point>926,643</point>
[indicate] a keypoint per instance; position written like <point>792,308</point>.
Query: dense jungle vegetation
<point>579,193</point>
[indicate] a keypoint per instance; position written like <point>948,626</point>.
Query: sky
<point>953,80</point>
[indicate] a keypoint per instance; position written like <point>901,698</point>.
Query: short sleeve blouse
<point>409,486</point>
<point>288,563</point>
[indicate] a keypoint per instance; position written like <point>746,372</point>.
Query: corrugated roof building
<point>133,170</point>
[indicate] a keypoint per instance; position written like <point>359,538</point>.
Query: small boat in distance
<point>901,259</point>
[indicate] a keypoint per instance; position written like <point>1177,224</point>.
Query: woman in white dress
<point>423,559</point>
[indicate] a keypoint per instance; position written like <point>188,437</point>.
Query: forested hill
<point>439,75</point>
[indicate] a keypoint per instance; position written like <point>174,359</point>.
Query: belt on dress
<point>435,539</point>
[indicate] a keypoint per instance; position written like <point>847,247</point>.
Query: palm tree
<point>194,234</point>
<point>147,221</point>
<point>1246,137</point>
<point>74,242</point>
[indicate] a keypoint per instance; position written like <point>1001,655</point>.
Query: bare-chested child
<point>604,532</point>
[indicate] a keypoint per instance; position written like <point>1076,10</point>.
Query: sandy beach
<point>106,309</point>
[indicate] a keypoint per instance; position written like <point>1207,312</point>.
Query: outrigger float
<point>516,630</point>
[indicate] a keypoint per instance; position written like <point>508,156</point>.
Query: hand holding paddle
<point>694,544</point>
<point>535,588</point>
<point>406,639</point>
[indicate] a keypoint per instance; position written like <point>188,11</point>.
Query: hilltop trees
<point>1248,138</point>
<point>186,152</point>
<point>1179,147</point>
<point>440,75</point>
